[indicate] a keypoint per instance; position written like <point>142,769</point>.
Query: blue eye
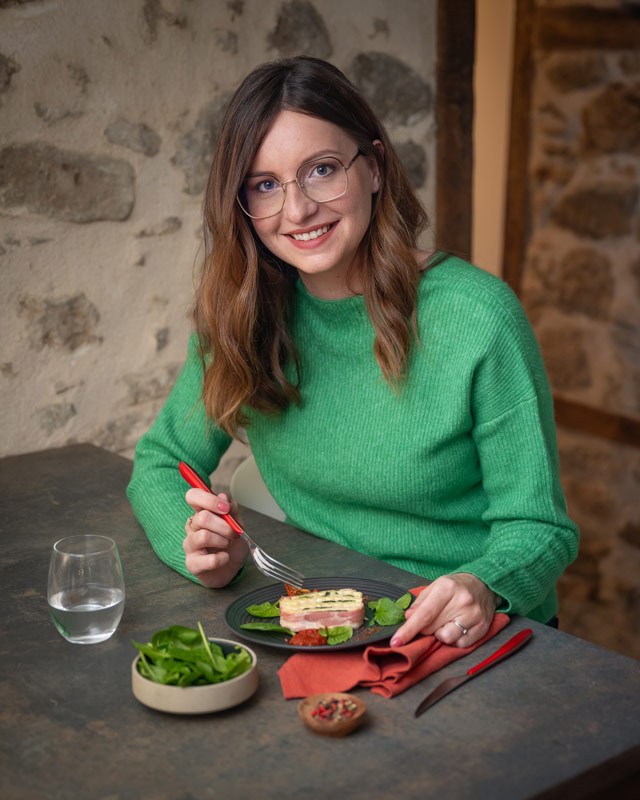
<point>323,170</point>
<point>265,186</point>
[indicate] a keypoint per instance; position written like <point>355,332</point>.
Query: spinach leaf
<point>387,611</point>
<point>180,656</point>
<point>405,600</point>
<point>265,626</point>
<point>337,635</point>
<point>265,609</point>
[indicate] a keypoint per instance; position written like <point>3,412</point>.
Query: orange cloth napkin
<point>387,671</point>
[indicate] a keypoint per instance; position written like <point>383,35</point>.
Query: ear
<point>373,166</point>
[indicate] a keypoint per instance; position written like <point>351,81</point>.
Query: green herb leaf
<point>181,656</point>
<point>337,635</point>
<point>266,609</point>
<point>387,611</point>
<point>265,626</point>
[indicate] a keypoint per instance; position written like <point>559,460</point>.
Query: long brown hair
<point>245,293</point>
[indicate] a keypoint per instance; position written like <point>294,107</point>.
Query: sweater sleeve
<point>531,538</point>
<point>180,433</point>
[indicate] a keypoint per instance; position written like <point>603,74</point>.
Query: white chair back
<point>248,489</point>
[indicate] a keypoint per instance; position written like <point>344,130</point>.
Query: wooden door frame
<point>456,23</point>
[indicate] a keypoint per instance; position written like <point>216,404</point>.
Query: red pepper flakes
<point>333,709</point>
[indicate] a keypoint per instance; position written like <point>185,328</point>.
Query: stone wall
<point>581,289</point>
<point>109,113</point>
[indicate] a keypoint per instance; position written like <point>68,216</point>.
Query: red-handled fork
<point>264,562</point>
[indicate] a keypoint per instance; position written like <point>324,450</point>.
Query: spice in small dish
<point>332,713</point>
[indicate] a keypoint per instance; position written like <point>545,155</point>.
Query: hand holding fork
<point>204,533</point>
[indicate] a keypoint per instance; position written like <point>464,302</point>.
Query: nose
<point>297,206</point>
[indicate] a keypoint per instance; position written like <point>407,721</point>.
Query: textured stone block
<point>300,29</point>
<point>414,160</point>
<point>570,72</point>
<point>135,135</point>
<point>65,185</point>
<point>196,147</point>
<point>8,68</point>
<point>55,416</point>
<point>397,93</point>
<point>67,324</point>
<point>599,209</point>
<point>565,353</point>
<point>612,119</point>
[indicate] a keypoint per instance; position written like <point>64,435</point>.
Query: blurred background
<point>519,124</point>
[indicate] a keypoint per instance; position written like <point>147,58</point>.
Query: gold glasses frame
<point>284,184</point>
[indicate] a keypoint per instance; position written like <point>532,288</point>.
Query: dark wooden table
<point>559,719</point>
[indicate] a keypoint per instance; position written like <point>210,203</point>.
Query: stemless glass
<point>86,588</point>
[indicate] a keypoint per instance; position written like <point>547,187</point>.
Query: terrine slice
<point>329,608</point>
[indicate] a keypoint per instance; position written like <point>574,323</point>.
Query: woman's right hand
<point>214,553</point>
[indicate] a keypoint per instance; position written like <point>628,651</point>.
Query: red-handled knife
<point>512,646</point>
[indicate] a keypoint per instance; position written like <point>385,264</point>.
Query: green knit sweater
<point>457,473</point>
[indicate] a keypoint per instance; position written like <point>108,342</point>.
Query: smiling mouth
<point>308,235</point>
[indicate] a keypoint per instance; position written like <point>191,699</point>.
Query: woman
<point>395,403</point>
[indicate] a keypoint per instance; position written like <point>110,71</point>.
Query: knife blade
<point>512,646</point>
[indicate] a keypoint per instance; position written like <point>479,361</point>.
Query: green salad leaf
<point>265,609</point>
<point>179,656</point>
<point>337,635</point>
<point>265,626</point>
<point>389,612</point>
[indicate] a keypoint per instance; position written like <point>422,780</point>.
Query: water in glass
<point>86,588</point>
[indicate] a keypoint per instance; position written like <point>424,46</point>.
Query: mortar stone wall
<point>108,115</point>
<point>581,290</point>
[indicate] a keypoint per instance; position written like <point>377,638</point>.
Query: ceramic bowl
<point>197,699</point>
<point>331,727</point>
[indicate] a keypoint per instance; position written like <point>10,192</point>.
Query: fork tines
<point>275,569</point>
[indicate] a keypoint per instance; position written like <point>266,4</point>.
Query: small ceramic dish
<point>197,699</point>
<point>336,722</point>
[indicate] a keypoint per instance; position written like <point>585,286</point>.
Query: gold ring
<point>190,521</point>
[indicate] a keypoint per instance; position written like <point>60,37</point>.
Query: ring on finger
<point>190,523</point>
<point>464,630</point>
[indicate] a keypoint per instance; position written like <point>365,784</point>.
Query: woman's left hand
<point>460,598</point>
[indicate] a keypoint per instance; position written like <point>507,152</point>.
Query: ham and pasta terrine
<point>324,609</point>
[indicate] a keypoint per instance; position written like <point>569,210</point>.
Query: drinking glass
<point>86,588</point>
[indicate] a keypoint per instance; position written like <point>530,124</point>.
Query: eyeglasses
<point>321,180</point>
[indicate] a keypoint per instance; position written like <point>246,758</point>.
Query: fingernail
<point>396,641</point>
<point>224,507</point>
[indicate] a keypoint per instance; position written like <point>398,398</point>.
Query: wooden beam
<point>516,229</point>
<point>616,427</point>
<point>454,119</point>
<point>584,27</point>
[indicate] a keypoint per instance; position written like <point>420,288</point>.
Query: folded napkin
<point>387,671</point>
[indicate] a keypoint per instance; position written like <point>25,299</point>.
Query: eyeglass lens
<point>321,181</point>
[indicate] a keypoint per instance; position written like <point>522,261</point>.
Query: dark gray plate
<point>237,615</point>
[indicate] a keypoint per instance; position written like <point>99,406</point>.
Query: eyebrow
<point>312,157</point>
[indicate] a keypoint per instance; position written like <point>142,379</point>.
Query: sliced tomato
<point>291,590</point>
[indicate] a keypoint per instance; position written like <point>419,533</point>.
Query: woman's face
<point>337,226</point>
